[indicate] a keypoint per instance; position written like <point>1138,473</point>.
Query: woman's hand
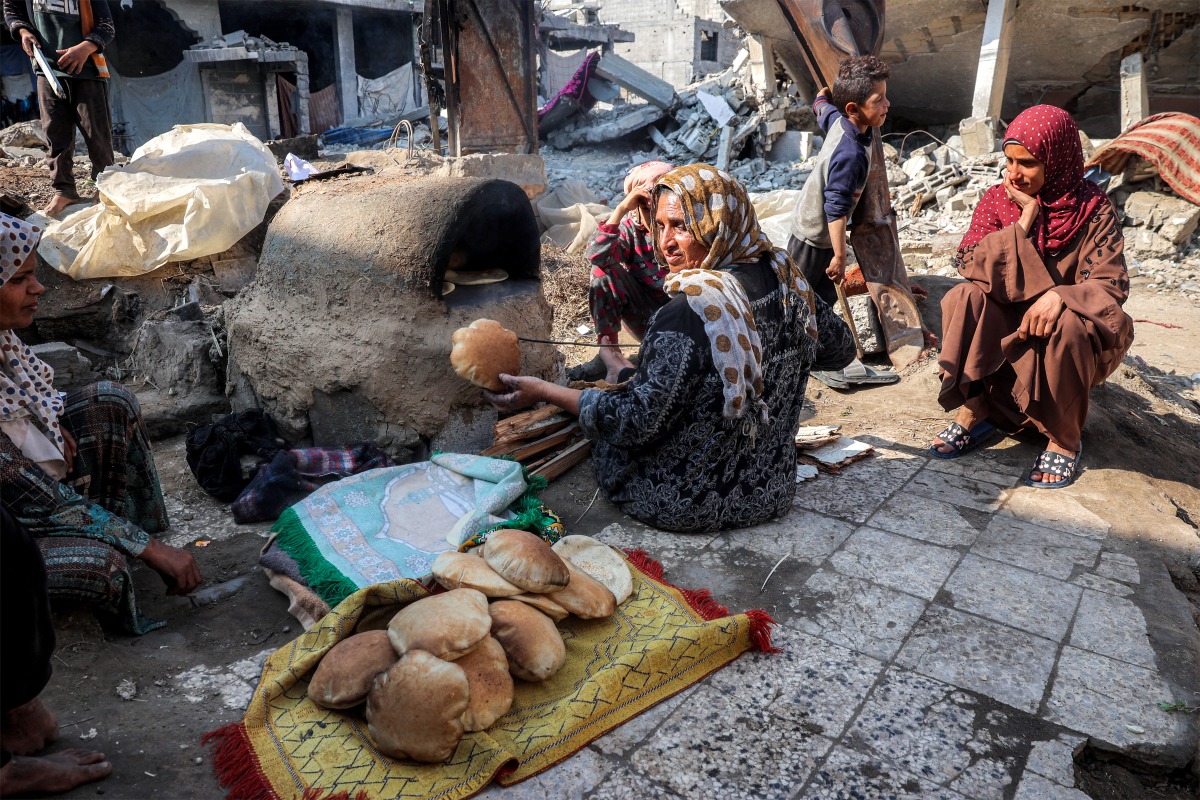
<point>1026,202</point>
<point>637,200</point>
<point>73,59</point>
<point>70,448</point>
<point>614,359</point>
<point>1042,316</point>
<point>176,567</point>
<point>523,392</point>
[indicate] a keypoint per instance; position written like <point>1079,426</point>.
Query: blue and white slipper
<point>1055,464</point>
<point>962,440</point>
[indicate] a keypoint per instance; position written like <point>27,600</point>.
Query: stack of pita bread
<point>445,665</point>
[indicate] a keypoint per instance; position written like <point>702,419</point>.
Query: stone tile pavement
<point>946,633</point>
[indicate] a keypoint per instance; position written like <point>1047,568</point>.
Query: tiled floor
<point>945,633</point>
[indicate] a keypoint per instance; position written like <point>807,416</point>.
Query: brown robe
<point>1037,382</point>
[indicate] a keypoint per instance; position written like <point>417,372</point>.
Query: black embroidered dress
<point>662,450</point>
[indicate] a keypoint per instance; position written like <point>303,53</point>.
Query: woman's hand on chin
<point>523,392</point>
<point>176,567</point>
<point>1026,202</point>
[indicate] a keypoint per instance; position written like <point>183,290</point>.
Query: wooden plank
<point>568,458</point>
<point>522,420</point>
<point>545,443</point>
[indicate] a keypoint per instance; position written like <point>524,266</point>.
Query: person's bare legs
<point>52,774</point>
<point>1046,477</point>
<point>970,414</point>
<point>28,728</point>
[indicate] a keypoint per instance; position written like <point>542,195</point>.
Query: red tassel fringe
<point>760,630</point>
<point>236,766</point>
<point>702,602</point>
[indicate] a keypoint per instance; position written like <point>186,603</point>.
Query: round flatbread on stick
<point>482,351</point>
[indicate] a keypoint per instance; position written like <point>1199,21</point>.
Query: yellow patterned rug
<point>660,641</point>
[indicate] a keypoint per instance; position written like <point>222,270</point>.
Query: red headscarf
<point>1067,199</point>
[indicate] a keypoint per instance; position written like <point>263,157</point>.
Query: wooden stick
<point>545,443</point>
<point>565,460</point>
<point>841,293</point>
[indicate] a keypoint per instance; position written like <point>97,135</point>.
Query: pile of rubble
<point>717,120</point>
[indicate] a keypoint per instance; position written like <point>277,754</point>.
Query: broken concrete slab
<point>978,136</point>
<point>1174,218</point>
<point>630,76</point>
<point>72,369</point>
<point>526,170</point>
<point>629,119</point>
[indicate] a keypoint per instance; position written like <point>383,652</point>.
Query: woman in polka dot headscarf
<point>77,472</point>
<point>700,437</point>
<point>1038,322</point>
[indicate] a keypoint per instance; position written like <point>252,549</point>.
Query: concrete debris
<point>715,120</point>
<point>239,46</point>
<point>72,369</point>
<point>633,78</point>
<point>22,134</point>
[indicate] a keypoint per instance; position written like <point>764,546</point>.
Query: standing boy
<point>820,218</point>
<point>71,34</point>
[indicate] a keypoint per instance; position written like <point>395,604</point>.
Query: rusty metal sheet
<point>491,75</point>
<point>828,32</point>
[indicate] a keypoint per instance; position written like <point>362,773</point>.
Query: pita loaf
<point>491,685</point>
<point>600,561</point>
<point>447,625</point>
<point>544,604</point>
<point>479,277</point>
<point>525,560</point>
<point>484,350</point>
<point>415,709</point>
<point>584,596</point>
<point>466,571</point>
<point>534,647</point>
<point>345,674</point>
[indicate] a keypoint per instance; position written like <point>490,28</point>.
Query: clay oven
<point>344,335</point>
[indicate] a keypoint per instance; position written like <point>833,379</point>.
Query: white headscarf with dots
<point>25,380</point>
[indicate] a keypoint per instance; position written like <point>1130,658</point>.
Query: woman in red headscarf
<point>1038,322</point>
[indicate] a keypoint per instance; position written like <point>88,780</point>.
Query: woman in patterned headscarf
<point>626,282</point>
<point>701,437</point>
<point>1039,321</point>
<point>76,471</point>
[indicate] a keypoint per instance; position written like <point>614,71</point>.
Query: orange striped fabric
<point>1170,141</point>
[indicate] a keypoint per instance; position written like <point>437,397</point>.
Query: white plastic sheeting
<point>569,214</point>
<point>192,192</point>
<point>774,211</point>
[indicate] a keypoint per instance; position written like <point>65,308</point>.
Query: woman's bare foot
<point>52,774</point>
<point>970,414</point>
<point>28,728</point>
<point>1046,477</point>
